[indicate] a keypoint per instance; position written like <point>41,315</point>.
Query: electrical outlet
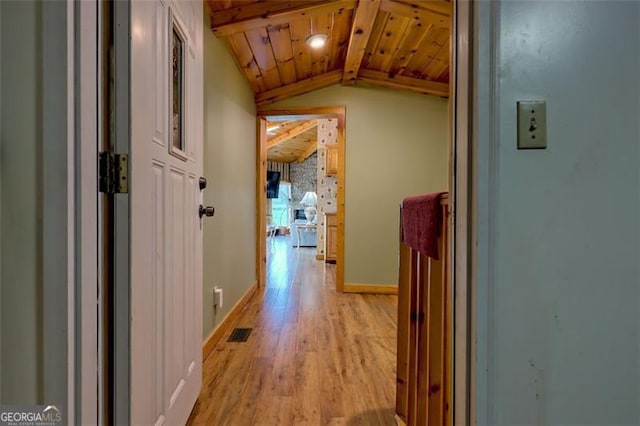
<point>532,125</point>
<point>217,297</point>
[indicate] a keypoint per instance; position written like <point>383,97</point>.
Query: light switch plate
<point>532,125</point>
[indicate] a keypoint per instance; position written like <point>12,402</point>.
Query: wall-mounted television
<point>273,184</point>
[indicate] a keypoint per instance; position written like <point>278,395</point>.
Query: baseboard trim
<point>212,340</point>
<point>370,288</point>
<point>319,256</point>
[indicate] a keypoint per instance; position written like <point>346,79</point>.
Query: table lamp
<point>310,200</point>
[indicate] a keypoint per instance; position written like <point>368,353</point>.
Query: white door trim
<point>58,180</point>
<point>88,67</point>
<point>484,175</point>
<point>121,390</point>
<point>462,209</point>
<point>1,399</point>
<point>475,54</point>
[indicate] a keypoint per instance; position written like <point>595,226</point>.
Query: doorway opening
<point>307,210</point>
<point>261,200</point>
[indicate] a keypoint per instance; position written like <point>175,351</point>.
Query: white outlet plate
<point>532,125</point>
<point>217,297</point>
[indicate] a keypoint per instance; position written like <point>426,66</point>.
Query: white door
<point>166,231</point>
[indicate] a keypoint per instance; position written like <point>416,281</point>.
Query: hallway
<point>314,357</point>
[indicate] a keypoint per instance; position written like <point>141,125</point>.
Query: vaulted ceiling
<point>399,44</point>
<point>289,141</point>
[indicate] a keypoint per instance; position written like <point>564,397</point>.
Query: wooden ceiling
<point>292,140</point>
<point>399,44</point>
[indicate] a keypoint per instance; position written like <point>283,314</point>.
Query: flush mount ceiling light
<point>316,41</point>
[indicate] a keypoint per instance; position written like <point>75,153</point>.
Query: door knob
<point>206,211</point>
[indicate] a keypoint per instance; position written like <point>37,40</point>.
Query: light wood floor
<point>314,357</point>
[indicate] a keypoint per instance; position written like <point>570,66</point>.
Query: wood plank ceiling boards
<point>393,43</point>
<point>291,141</point>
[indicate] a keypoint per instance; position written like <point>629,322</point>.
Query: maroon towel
<point>421,222</point>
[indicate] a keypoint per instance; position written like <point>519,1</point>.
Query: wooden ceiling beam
<point>298,88</point>
<point>363,21</point>
<point>282,123</point>
<point>263,14</point>
<point>227,16</point>
<point>443,7</point>
<point>402,82</point>
<point>412,11</point>
<point>313,147</point>
<point>285,136</point>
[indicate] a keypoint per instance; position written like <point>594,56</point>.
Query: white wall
<point>21,215</point>
<point>558,296</point>
<point>396,146</point>
<point>230,168</point>
<point>1,203</point>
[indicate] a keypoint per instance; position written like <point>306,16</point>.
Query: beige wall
<point>229,166</point>
<point>396,145</point>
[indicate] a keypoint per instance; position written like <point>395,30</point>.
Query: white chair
<point>308,238</point>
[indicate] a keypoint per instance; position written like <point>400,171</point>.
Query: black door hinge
<point>114,173</point>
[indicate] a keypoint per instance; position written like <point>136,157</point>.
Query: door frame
<point>70,234</point>
<point>62,194</point>
<point>471,215</point>
<point>464,207</point>
<point>479,38</point>
<point>461,217</point>
<point>58,176</point>
<point>336,112</point>
<point>88,66</point>
<point>119,369</point>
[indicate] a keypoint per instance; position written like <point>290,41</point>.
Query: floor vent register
<point>239,335</point>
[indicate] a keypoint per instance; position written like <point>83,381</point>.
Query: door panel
<point>174,306</point>
<point>156,360</point>
<point>166,240</point>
